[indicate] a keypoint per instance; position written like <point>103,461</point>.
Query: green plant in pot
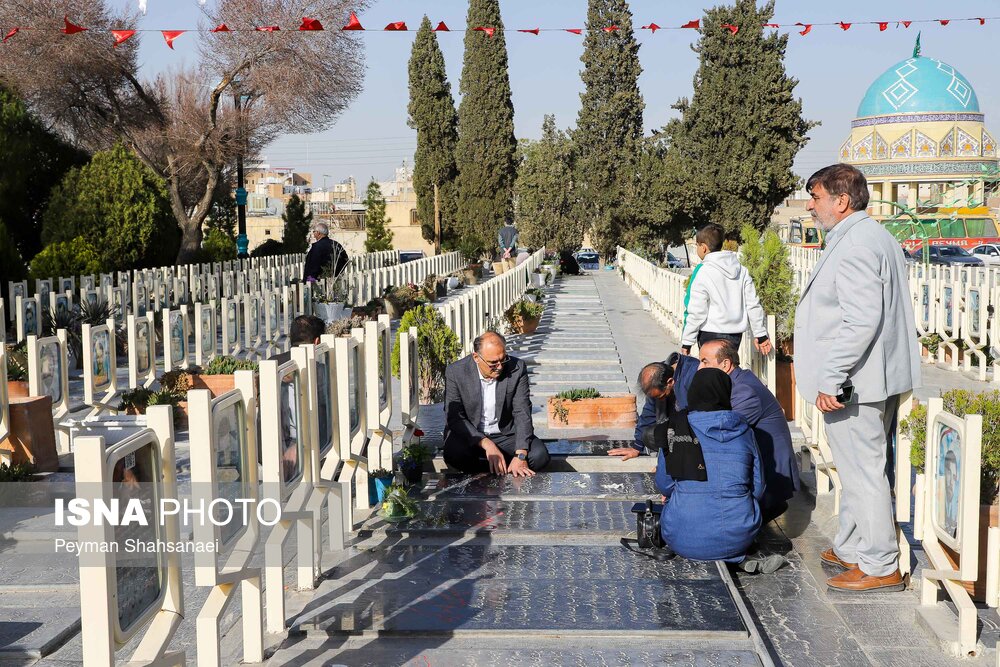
<point>412,459</point>
<point>135,401</point>
<point>437,346</point>
<point>399,299</point>
<point>219,376</point>
<point>17,371</point>
<point>524,316</point>
<point>379,482</point>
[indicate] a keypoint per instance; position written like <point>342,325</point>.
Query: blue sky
<point>834,69</point>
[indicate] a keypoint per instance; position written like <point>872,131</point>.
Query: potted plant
<point>219,376</point>
<point>17,372</point>
<point>499,266</point>
<point>175,384</point>
<point>523,316</point>
<point>412,459</point>
<point>437,346</point>
<point>455,280</point>
<point>428,289</point>
<point>135,401</point>
<point>369,311</point>
<point>961,402</point>
<point>766,258</point>
<point>342,328</point>
<point>538,278</point>
<point>379,482</point>
<point>399,299</point>
<point>587,408</point>
<point>644,298</point>
<point>534,295</point>
<point>329,295</point>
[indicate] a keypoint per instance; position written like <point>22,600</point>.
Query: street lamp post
<point>242,242</point>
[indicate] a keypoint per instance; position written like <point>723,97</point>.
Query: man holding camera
<point>856,352</point>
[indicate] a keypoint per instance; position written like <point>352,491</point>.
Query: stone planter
<point>454,283</point>
<point>393,310</point>
<point>499,268</point>
<point>472,273</point>
<point>510,264</point>
<point>526,326</point>
<point>17,389</point>
<point>217,384</point>
<point>604,412</point>
<point>329,312</point>
<point>989,516</point>
<point>538,280</point>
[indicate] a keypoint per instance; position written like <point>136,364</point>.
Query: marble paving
<point>597,486</point>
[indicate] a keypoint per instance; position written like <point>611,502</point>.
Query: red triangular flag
<point>731,28</point>
<point>222,27</point>
<point>906,24</point>
<point>353,23</point>
<point>121,36</point>
<point>845,26</point>
<point>693,24</point>
<point>442,28</point>
<point>807,28</point>
<point>981,21</point>
<point>944,21</point>
<point>310,24</point>
<point>396,27</point>
<point>772,25</point>
<point>533,31</point>
<point>13,31</point>
<point>883,26</point>
<point>267,28</point>
<point>489,31</point>
<point>575,31</point>
<point>170,35</point>
<point>651,26</point>
<point>611,28</point>
<point>71,28</point>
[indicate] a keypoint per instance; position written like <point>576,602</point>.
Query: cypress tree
<point>486,150</point>
<point>379,235</point>
<point>433,116</point>
<point>297,223</point>
<point>743,126</point>
<point>545,210</point>
<point>608,134</point>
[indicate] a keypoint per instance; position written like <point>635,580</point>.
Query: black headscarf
<point>710,391</point>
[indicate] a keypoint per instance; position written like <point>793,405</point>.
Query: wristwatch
<point>522,456</point>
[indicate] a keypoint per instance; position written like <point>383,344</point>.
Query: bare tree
<point>182,124</point>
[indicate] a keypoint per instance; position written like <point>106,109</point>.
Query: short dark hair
<point>306,329</point>
<point>477,344</point>
<point>842,179</point>
<point>655,376</point>
<point>712,235</point>
<point>726,349</point>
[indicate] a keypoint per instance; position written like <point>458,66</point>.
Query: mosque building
<point>920,136</point>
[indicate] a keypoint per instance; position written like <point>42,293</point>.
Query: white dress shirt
<point>490,423</point>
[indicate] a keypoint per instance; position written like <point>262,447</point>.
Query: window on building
<point>414,220</point>
<point>267,232</point>
<point>930,229</point>
<point>952,229</point>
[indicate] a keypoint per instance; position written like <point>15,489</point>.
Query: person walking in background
<point>856,352</point>
<point>721,297</point>
<point>323,252</point>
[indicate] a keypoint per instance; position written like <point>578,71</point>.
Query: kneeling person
<point>488,412</point>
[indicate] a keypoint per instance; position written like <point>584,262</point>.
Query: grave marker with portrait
<point>141,350</point>
<point>16,290</point>
<point>231,341</point>
<point>175,340</point>
<point>67,284</point>
<point>205,333</point>
<point>99,368</point>
<point>252,323</point>
<point>61,306</point>
<point>28,318</point>
<point>4,399</point>
<point>43,288</point>
<point>48,375</point>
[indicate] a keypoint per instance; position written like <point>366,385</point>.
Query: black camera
<point>647,528</point>
<point>655,437</point>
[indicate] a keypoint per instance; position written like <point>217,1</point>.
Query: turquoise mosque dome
<point>919,85</point>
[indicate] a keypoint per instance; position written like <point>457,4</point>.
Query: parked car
<point>988,252</point>
<point>948,254</point>
<point>675,263</point>
<point>410,256</point>
<point>588,259</point>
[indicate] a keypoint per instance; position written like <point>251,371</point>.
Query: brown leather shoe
<point>830,557</point>
<point>856,581</point>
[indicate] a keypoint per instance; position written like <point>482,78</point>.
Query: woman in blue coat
<point>718,518</point>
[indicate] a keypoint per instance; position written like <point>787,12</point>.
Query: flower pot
<point>538,280</point>
<point>393,310</point>
<point>377,488</point>
<point>604,412</point>
<point>472,273</point>
<point>414,473</point>
<point>441,289</point>
<point>17,389</point>
<point>454,282</point>
<point>526,326</point>
<point>989,516</point>
<point>510,263</point>
<point>217,384</point>
<point>329,312</point>
<point>181,416</point>
<point>499,267</point>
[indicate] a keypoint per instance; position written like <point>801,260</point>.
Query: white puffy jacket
<point>722,299</point>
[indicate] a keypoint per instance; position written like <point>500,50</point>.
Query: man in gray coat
<point>855,353</point>
<point>488,413</point>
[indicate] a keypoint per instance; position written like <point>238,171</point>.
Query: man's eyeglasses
<point>494,364</point>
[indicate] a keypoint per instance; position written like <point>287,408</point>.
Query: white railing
<point>468,314</point>
<point>363,286</point>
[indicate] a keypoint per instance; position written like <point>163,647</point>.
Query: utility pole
<point>437,222</point>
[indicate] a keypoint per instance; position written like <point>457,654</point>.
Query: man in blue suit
<point>755,403</point>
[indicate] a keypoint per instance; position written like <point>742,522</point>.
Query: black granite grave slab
<point>581,486</point>
<point>490,516</point>
<point>27,632</point>
<point>584,447</point>
<point>508,606</point>
<point>496,561</point>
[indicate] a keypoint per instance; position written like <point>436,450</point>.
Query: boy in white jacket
<point>721,297</point>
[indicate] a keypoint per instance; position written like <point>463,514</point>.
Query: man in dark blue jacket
<point>755,403</point>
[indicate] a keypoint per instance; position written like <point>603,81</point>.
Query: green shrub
<point>416,452</point>
<point>960,402</point>
<point>522,311</point>
<point>17,364</point>
<point>766,258</point>
<point>228,366</point>
<point>217,246</point>
<point>578,394</point>
<point>269,248</point>
<point>19,472</point>
<point>932,342</point>
<point>76,257</point>
<point>437,346</point>
<point>137,399</point>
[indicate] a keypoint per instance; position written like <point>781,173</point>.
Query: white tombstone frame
<point>98,396</point>
<point>23,305</point>
<point>4,399</point>
<point>252,324</point>
<point>16,290</point>
<point>232,344</point>
<point>201,354</point>
<point>137,376</point>
<point>409,380</point>
<point>169,317</point>
<point>35,347</point>
<point>379,399</point>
